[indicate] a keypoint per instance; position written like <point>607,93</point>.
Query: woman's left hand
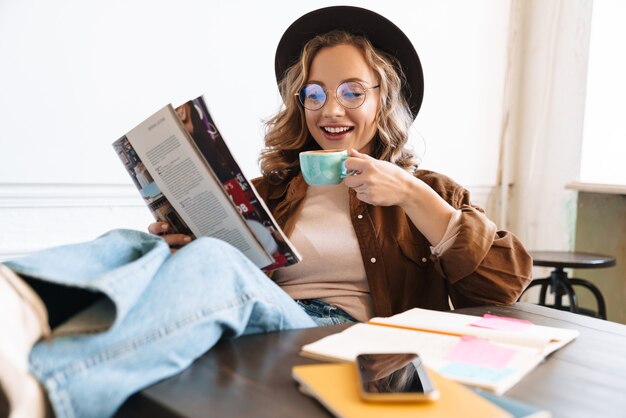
<point>378,183</point>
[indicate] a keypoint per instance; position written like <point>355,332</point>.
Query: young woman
<point>392,237</point>
<point>387,239</point>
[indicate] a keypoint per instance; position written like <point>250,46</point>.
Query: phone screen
<point>394,373</point>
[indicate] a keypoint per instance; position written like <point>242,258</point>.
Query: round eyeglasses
<point>349,94</point>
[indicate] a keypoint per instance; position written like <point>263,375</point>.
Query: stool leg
<point>560,286</point>
<point>543,291</point>
<point>571,294</point>
<point>596,292</point>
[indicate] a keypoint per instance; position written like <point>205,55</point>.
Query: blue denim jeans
<point>325,314</point>
<point>160,312</point>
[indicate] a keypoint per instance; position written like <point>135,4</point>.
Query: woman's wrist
<point>429,212</point>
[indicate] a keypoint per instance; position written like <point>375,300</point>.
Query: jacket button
<point>373,259</point>
<point>359,216</point>
<point>424,259</point>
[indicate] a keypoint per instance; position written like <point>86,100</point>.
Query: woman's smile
<point>336,133</point>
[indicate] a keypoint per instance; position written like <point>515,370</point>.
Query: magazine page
<point>167,153</point>
<point>197,120</point>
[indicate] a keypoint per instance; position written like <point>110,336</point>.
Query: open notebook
<point>488,352</point>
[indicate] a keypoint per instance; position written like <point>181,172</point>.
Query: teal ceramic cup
<point>324,167</point>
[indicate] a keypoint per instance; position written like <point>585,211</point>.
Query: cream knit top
<point>331,268</point>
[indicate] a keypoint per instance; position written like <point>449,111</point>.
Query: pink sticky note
<point>501,323</point>
<point>481,352</point>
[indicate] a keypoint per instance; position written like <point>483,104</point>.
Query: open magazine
<point>188,177</point>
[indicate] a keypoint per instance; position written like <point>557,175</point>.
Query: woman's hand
<point>163,229</point>
<point>378,183</point>
<point>381,183</point>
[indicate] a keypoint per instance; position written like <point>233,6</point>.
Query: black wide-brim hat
<point>380,31</point>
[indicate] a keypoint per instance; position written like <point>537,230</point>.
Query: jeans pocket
<point>325,314</point>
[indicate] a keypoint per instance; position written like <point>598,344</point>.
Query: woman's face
<point>334,126</point>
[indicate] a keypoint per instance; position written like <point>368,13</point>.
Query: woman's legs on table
<point>169,310</point>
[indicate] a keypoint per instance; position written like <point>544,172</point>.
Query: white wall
<point>75,76</point>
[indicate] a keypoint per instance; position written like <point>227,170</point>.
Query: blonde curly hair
<point>287,134</point>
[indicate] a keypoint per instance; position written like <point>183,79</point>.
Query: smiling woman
<point>367,102</point>
<point>333,124</point>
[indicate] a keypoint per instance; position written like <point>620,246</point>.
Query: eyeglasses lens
<point>312,96</point>
<point>351,94</point>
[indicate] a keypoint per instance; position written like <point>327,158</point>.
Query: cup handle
<point>344,172</point>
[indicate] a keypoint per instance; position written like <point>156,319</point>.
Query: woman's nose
<point>332,107</point>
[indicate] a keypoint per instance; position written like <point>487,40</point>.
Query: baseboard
<point>36,216</point>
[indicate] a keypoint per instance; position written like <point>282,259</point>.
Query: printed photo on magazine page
<point>158,204</point>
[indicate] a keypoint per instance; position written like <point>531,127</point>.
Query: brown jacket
<point>483,267</point>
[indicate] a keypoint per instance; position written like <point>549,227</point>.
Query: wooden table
<point>251,376</point>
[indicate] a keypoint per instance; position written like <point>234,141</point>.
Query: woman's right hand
<point>164,230</point>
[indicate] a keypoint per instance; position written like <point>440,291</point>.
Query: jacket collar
<point>295,189</point>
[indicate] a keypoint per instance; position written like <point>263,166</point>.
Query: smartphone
<point>394,377</point>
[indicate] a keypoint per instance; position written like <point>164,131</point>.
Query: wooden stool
<point>561,284</point>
